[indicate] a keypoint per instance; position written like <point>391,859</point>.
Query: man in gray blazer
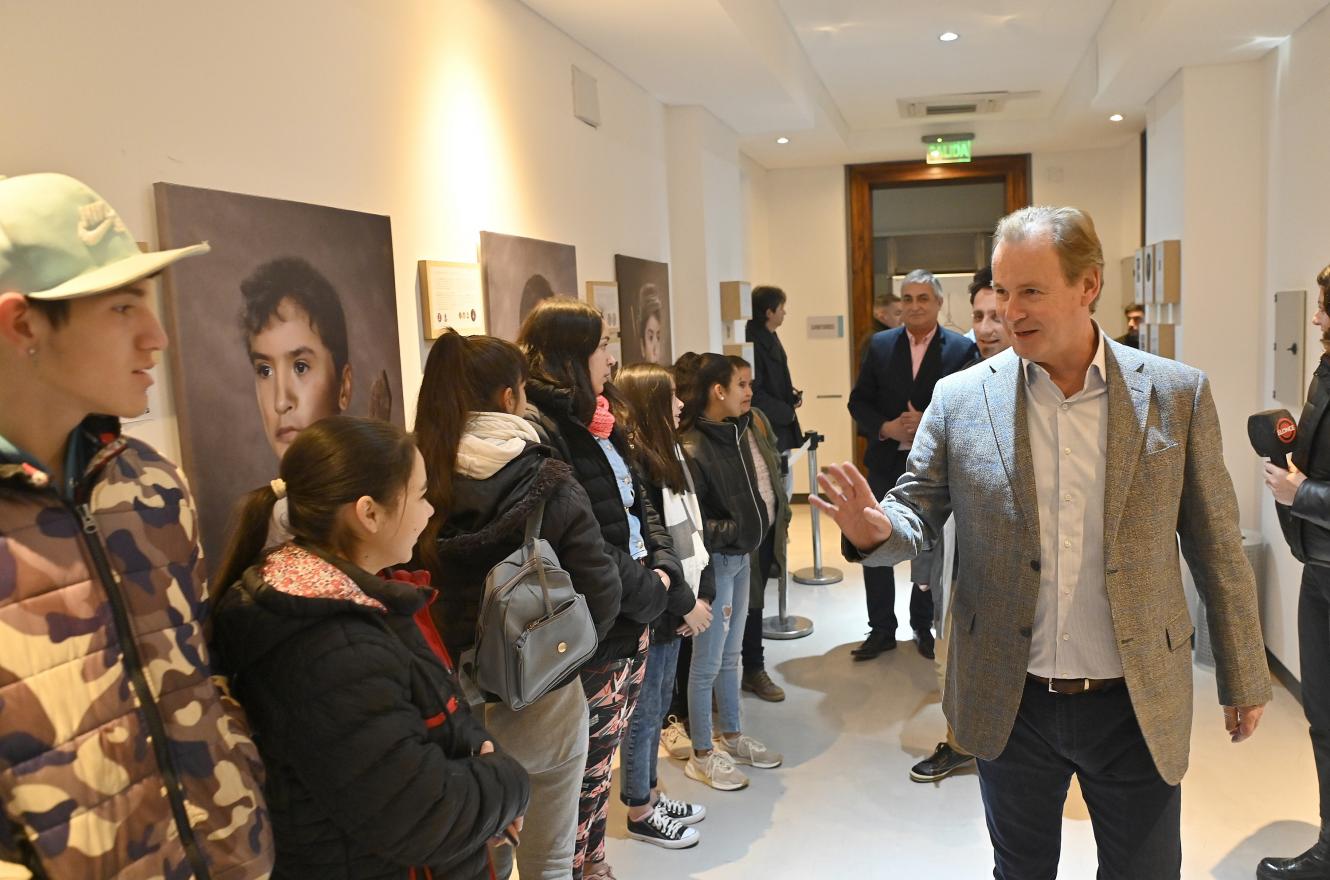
<point>1073,465</point>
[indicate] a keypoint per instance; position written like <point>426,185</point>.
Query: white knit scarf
<point>490,441</point>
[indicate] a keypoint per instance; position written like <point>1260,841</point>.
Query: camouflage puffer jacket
<point>119,755</point>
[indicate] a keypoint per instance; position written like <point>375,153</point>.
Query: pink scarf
<point>602,423</point>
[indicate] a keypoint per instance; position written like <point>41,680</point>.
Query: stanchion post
<point>817,575</point>
<point>785,625</point>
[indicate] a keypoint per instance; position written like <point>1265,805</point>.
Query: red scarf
<point>602,423</point>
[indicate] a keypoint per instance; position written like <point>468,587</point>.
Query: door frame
<point>1013,170</point>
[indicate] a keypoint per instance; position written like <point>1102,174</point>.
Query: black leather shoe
<point>924,639</point>
<point>1314,864</point>
<point>942,763</point>
<point>878,640</point>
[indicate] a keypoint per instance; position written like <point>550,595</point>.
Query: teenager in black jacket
<point>734,521</point>
<point>773,388</point>
<point>567,345</point>
<point>488,473</point>
<point>376,768</point>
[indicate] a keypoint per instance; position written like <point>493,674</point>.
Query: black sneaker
<point>663,831</point>
<point>680,811</point>
<point>942,763</point>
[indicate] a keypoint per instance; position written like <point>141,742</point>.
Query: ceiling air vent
<point>949,109</point>
<point>958,104</point>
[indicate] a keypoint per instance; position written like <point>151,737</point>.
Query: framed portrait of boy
<point>290,319</point>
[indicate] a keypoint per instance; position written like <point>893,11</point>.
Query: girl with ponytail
<point>567,345</point>
<point>487,472</point>
<point>375,768</point>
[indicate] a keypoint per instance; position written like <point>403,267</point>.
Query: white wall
<point>1297,246</point>
<point>1106,183</point>
<point>450,117</point>
<point>809,259</point>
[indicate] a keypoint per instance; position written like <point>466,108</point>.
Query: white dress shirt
<point>1073,625</point>
<point>918,348</point>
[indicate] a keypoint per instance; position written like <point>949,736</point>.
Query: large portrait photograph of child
<point>290,319</point>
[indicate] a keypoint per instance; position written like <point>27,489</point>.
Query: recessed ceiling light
<point>1116,117</point>
<point>782,140</point>
<point>949,36</point>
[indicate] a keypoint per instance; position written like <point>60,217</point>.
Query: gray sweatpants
<point>549,739</point>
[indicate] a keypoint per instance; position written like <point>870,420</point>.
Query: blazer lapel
<point>1004,393</point>
<point>1129,392</point>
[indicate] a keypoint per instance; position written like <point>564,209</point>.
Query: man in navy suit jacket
<point>895,384</point>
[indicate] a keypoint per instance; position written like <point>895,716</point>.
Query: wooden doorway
<point>1012,171</point>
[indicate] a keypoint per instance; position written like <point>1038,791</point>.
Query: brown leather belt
<point>1072,686</point>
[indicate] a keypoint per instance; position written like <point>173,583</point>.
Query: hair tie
<point>278,487</point>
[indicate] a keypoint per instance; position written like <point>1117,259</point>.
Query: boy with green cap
<point>119,754</point>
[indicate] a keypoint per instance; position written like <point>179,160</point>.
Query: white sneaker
<point>675,740</point>
<point>660,829</point>
<point>749,751</point>
<point>680,811</point>
<point>715,770</point>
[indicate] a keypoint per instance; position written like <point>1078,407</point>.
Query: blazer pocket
<point>1180,631</point>
<point>962,618</point>
<point>1158,444</point>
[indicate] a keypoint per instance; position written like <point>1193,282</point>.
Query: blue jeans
<point>716,652</point>
<point>637,775</point>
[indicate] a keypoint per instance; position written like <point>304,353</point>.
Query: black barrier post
<point>817,575</point>
<point>785,625</point>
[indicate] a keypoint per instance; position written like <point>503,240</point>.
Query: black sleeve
<point>706,585</point>
<point>571,527</point>
<point>863,404</point>
<point>644,595</point>
<point>766,397</point>
<point>1312,502</point>
<point>362,750</point>
<point>660,546</point>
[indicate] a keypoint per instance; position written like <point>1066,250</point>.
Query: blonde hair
<point>1070,229</point>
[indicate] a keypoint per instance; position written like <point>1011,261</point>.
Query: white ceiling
<point>828,73</point>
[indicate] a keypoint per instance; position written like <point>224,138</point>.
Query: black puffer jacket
<point>1306,524</point>
<point>719,457</point>
<point>487,522</point>
<point>643,598</point>
<point>370,750</point>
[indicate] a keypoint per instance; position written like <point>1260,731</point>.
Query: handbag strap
<point>534,521</point>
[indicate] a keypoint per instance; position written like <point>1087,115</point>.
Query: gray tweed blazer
<point>1165,480</point>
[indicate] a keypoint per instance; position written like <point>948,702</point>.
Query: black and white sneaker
<point>680,811</point>
<point>663,831</point>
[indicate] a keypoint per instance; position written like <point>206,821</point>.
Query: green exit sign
<point>948,152</point>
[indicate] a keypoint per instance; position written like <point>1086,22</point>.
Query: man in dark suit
<point>773,389</point>
<point>894,387</point>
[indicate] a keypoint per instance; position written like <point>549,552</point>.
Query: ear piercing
<point>32,352</point>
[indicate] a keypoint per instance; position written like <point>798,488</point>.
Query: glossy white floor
<point>843,805</point>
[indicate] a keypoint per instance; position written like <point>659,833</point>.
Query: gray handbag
<point>534,629</point>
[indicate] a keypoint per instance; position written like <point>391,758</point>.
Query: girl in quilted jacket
<point>376,767</point>
<point>487,474</point>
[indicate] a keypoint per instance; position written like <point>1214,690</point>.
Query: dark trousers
<point>1314,645</point>
<point>880,580</point>
<point>763,560</point>
<point>1135,814</point>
